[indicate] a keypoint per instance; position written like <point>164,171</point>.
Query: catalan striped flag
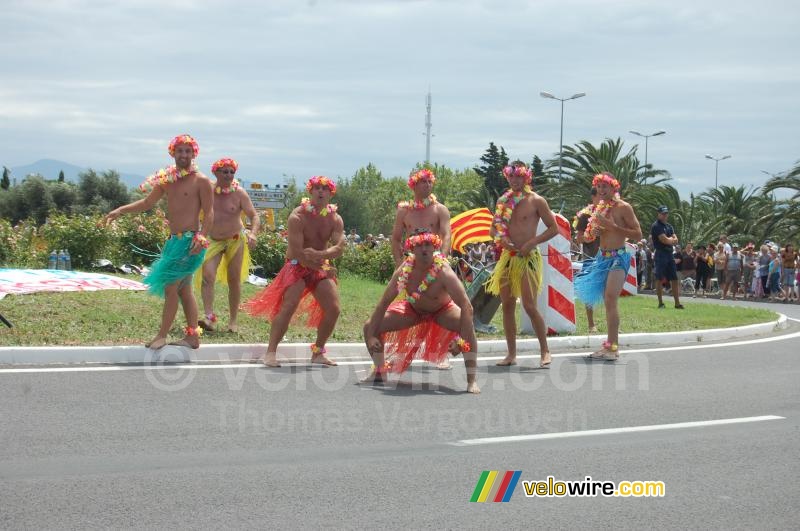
<point>470,227</point>
<point>496,486</point>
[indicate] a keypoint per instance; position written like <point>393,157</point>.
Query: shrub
<point>139,237</point>
<point>270,252</point>
<point>22,245</point>
<point>375,264</point>
<point>86,238</point>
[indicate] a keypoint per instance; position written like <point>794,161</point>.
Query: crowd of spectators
<point>767,272</point>
<point>369,241</point>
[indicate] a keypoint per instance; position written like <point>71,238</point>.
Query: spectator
<point>719,267</point>
<point>641,263</point>
<point>677,255</point>
<point>748,268</point>
<point>788,259</point>
<point>703,272</point>
<point>664,238</point>
<point>688,262</point>
<point>774,275</point>
<point>763,270</point>
<point>726,247</point>
<point>733,271</point>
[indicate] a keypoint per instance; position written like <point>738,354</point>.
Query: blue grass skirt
<point>175,263</point>
<point>590,283</point>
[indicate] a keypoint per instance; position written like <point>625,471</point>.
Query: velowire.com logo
<point>496,486</point>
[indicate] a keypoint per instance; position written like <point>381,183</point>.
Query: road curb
<point>300,351</point>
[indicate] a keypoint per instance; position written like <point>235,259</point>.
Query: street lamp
<point>716,166</point>
<point>646,137</point>
<point>561,137</point>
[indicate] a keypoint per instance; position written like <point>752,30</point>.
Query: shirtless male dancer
<point>230,244</point>
<point>613,221</point>
<point>188,192</point>
<point>518,272</point>
<point>307,280</point>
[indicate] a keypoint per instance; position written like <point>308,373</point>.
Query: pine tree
<point>5,183</point>
<point>494,160</point>
<point>61,176</point>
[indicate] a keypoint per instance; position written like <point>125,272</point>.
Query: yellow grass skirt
<point>511,269</point>
<point>228,249</point>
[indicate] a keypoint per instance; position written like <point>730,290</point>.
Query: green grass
<point>131,317</point>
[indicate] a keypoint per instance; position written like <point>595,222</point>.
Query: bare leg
<point>207,290</point>
<point>391,321</point>
<point>509,325</point>
<point>659,292</point>
<point>291,298</point>
<point>190,311</point>
<point>328,298</point>
<point>529,304</point>
<point>590,319</point>
<point>235,288</point>
<point>614,283</point>
<point>676,291</point>
<point>451,320</point>
<point>167,316</point>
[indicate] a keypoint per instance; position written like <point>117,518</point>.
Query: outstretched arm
<point>137,206</point>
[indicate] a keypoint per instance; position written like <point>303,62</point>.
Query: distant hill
<point>49,169</point>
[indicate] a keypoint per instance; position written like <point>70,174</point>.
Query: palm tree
<point>787,210</point>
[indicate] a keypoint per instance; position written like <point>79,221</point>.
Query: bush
<point>270,252</point>
<point>376,264</point>
<point>22,245</point>
<point>146,231</point>
<point>86,238</point>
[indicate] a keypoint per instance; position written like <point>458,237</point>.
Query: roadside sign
<point>263,199</point>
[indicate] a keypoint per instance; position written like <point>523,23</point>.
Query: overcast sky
<point>326,86</point>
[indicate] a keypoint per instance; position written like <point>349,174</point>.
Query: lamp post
<point>561,137</point>
<point>716,167</point>
<point>646,138</point>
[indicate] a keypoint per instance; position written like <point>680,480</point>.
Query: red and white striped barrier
<point>556,301</point>
<point>630,287</point>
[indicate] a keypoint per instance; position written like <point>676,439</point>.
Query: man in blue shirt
<point>664,264</point>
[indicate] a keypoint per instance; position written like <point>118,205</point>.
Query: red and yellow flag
<point>470,227</point>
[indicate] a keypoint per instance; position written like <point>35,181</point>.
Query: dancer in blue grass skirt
<point>613,221</point>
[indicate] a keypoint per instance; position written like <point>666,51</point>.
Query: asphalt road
<point>246,447</point>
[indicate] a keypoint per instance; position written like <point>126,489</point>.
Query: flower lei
<point>593,228</point>
<point>232,188</point>
<point>422,239</point>
<point>424,174</point>
<point>183,139</point>
<point>415,204</point>
<point>439,262</point>
<point>309,207</point>
<point>463,344</point>
<point>505,207</point>
<point>585,211</point>
<point>166,176</point>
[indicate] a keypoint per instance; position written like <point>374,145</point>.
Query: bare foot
<point>507,361</point>
<point>233,328</point>
<point>545,361</point>
<point>372,377</point>
<point>592,329</point>
<point>322,359</point>
<point>473,388</point>
<point>444,366</point>
<point>604,354</point>
<point>206,325</point>
<point>192,342</point>
<point>271,359</point>
<point>157,343</point>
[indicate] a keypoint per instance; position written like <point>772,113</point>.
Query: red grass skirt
<point>267,303</point>
<point>425,340</point>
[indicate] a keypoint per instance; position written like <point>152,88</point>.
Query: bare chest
<point>421,219</point>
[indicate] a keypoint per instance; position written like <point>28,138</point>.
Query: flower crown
<point>183,139</point>
<point>322,181</point>
<point>607,178</point>
<point>519,170</point>
<point>421,239</point>
<point>421,174</point>
<point>225,162</point>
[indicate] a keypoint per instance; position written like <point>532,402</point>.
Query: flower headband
<point>225,162</point>
<point>422,239</point>
<point>183,139</point>
<point>607,178</point>
<point>508,171</point>
<point>421,174</point>
<point>322,181</point>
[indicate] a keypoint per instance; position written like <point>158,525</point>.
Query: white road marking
<point>191,365</point>
<point>611,431</point>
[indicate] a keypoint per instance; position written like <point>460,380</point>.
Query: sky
<point>307,87</point>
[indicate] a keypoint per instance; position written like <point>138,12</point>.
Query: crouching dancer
<point>431,318</point>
